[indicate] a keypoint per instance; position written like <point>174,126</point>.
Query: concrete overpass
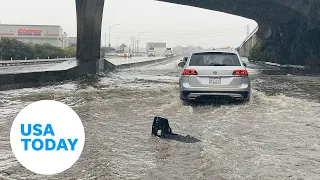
<point>289,27</point>
<point>264,12</point>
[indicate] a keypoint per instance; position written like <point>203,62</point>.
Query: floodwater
<point>274,136</point>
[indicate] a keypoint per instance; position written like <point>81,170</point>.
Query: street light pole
<point>138,42</point>
<point>110,34</point>
<point>117,43</point>
<point>137,46</point>
<point>132,48</point>
<point>131,44</point>
<point>109,38</point>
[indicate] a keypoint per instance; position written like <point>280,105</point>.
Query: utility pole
<point>117,43</point>
<point>137,46</point>
<point>138,41</point>
<point>109,38</point>
<point>133,49</point>
<point>131,44</point>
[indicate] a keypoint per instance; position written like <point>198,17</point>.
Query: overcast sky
<point>157,21</point>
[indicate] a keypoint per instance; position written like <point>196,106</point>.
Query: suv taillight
<point>188,72</point>
<point>242,73</point>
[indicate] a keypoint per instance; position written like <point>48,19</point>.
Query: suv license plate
<point>214,80</point>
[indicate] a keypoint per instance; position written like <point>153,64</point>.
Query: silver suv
<point>212,73</point>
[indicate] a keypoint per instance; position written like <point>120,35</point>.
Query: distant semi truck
<point>151,52</point>
<point>168,52</point>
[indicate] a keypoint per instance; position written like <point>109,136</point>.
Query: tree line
<point>17,50</point>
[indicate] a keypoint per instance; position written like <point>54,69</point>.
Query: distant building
<point>72,41</point>
<point>37,34</point>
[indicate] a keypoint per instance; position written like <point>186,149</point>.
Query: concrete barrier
<point>35,79</point>
<point>25,80</point>
<point>142,63</point>
<point>107,66</point>
<point>34,61</point>
<point>284,65</point>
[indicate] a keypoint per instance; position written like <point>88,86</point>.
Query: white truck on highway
<point>168,52</point>
<point>151,52</point>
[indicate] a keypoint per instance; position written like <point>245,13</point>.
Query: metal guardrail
<point>250,35</point>
<point>33,61</point>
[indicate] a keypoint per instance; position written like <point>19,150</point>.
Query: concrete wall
<point>23,80</point>
<point>143,63</point>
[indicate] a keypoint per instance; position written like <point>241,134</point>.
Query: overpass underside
<point>288,29</point>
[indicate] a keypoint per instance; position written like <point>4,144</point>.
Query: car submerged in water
<point>211,74</point>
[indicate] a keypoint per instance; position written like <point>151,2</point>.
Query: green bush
<point>69,51</point>
<point>10,48</point>
<point>17,50</point>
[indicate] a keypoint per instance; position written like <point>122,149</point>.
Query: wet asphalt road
<point>275,136</point>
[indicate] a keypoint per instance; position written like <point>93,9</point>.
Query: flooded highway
<point>274,136</point>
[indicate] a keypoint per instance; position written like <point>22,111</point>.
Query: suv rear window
<point>214,59</point>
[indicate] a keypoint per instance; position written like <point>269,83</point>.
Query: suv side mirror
<point>181,64</point>
<point>245,65</point>
<point>185,59</point>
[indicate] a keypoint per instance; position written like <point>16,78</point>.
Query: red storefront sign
<point>29,32</point>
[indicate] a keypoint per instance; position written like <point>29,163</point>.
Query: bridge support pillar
<point>89,23</point>
<point>314,13</point>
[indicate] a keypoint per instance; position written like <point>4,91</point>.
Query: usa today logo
<point>47,137</point>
